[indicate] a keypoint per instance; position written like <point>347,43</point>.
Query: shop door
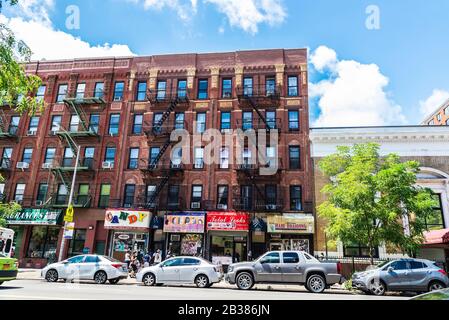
<point>240,252</point>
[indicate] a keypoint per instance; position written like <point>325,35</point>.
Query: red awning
<point>436,236</point>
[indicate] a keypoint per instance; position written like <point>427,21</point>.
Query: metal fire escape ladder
<point>75,104</point>
<point>159,188</point>
<point>158,126</point>
<point>64,135</point>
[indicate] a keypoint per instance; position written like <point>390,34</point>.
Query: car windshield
<point>379,265</point>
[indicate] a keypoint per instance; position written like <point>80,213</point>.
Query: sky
<point>377,62</point>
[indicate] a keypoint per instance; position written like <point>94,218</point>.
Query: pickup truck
<point>285,267</point>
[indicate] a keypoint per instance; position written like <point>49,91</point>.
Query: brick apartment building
<point>440,117</point>
<point>131,189</point>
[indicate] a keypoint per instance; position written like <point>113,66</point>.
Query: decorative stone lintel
<point>191,72</point>
<point>280,68</point>
<point>215,74</point>
<point>153,77</point>
<point>239,74</point>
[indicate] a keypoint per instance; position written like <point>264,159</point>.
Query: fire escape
<point>158,134</point>
<point>64,170</point>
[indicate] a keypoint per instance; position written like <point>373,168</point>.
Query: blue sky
<point>410,49</point>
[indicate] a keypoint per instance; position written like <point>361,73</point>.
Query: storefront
<point>185,233</point>
<point>227,237</point>
<point>37,233</point>
<point>130,231</point>
<point>290,232</point>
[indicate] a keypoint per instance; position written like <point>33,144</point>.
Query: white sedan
<point>86,267</point>
<point>181,270</point>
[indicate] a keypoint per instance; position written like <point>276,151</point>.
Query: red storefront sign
<point>227,221</point>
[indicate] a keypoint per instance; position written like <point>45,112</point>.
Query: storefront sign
<point>127,219</point>
<point>188,222</point>
<point>34,217</point>
<point>291,223</point>
<point>228,221</point>
<point>69,229</point>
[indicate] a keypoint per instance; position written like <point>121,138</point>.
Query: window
<point>417,265</point>
<point>34,124</point>
<point>435,220</point>
<point>190,262</point>
<point>292,86</point>
<point>431,122</point>
<point>151,191</point>
<point>248,86</point>
<point>62,93</point>
<point>114,121</point>
<point>222,196</point>
<point>161,89</point>
<point>76,245</point>
<point>105,192</point>
<point>14,125</point>
<point>77,259</point>
<point>247,157</point>
<point>247,120</point>
<point>270,195</point>
<point>173,196</point>
<point>43,242</point>
<point>61,195</point>
<point>6,158</point>
<point>74,123</point>
<point>118,91</point>
<point>179,120</point>
<point>270,117</point>
<point>202,88</point>
<point>80,90</point>
<point>83,194</point>
<point>94,123</point>
<point>27,155</point>
<point>99,90</point>
<point>56,123</point>
<point>290,257</point>
<point>224,158</point>
<point>439,117</point>
<point>293,120</point>
<point>42,192</point>
<point>201,122</point>
<point>176,158</point>
<point>446,111</point>
<point>447,122</point>
<point>67,161</point>
<point>92,259</point>
<point>49,155</point>
<point>272,257</point>
<point>172,262</point>
<point>399,265</point>
<point>199,158</point>
<point>89,153</point>
<point>358,250</point>
<point>110,154</point>
<point>295,198</point>
<point>20,191</point>
<point>197,196</point>
<point>270,86</point>
<point>41,93</point>
<point>246,193</point>
<point>294,157</point>
<point>128,200</point>
<point>154,153</point>
<point>225,121</point>
<point>226,88</point>
<point>137,124</point>
<point>182,89</point>
<point>133,158</point>
<point>271,156</point>
<point>141,91</point>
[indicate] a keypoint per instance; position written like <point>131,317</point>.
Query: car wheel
<point>100,277</point>
<point>316,283</point>
<point>244,281</point>
<point>114,281</point>
<point>378,288</point>
<point>149,279</point>
<point>51,275</point>
<point>436,285</point>
<point>201,281</point>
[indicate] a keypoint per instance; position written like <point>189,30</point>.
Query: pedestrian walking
<point>127,258</point>
<point>157,257</point>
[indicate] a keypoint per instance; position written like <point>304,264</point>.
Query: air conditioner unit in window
<point>196,205</point>
<point>107,165</point>
<point>47,165</point>
<point>222,206</point>
<point>271,207</point>
<point>32,132</point>
<point>176,166</point>
<point>22,165</point>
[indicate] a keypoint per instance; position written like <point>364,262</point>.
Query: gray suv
<point>416,275</point>
<point>285,267</point>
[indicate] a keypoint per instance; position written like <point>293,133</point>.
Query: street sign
<point>68,230</point>
<point>69,214</point>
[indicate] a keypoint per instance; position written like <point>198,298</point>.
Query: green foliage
<point>6,209</point>
<point>370,198</point>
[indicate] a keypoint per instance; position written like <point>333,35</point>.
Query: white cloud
<point>353,95</point>
<point>31,23</point>
<point>185,9</point>
<point>433,102</point>
<point>248,14</point>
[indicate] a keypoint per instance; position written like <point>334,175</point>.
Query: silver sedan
<point>86,267</point>
<point>181,270</point>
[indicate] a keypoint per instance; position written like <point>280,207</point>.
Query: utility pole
<point>72,188</point>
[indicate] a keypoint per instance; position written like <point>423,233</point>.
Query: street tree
<point>374,200</point>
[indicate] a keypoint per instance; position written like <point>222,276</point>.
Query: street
<point>33,289</point>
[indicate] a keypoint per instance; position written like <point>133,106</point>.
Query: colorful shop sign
<point>228,221</point>
<point>127,219</point>
<point>184,222</point>
<point>291,223</point>
<point>44,217</point>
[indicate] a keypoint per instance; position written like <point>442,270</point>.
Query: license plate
<point>6,267</point>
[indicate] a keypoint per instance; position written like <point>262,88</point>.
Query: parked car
<point>434,295</point>
<point>285,267</point>
<point>8,268</point>
<point>417,275</point>
<point>87,267</point>
<point>181,270</point>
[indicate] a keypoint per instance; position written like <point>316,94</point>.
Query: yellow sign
<point>69,214</point>
<point>291,223</point>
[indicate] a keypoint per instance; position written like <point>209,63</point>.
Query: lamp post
<point>70,203</point>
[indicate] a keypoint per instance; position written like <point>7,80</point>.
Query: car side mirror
<point>390,269</point>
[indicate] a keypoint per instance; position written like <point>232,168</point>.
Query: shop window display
<point>43,242</point>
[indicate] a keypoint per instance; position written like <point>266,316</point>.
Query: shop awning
<point>44,217</point>
<point>291,223</point>
<point>437,237</point>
